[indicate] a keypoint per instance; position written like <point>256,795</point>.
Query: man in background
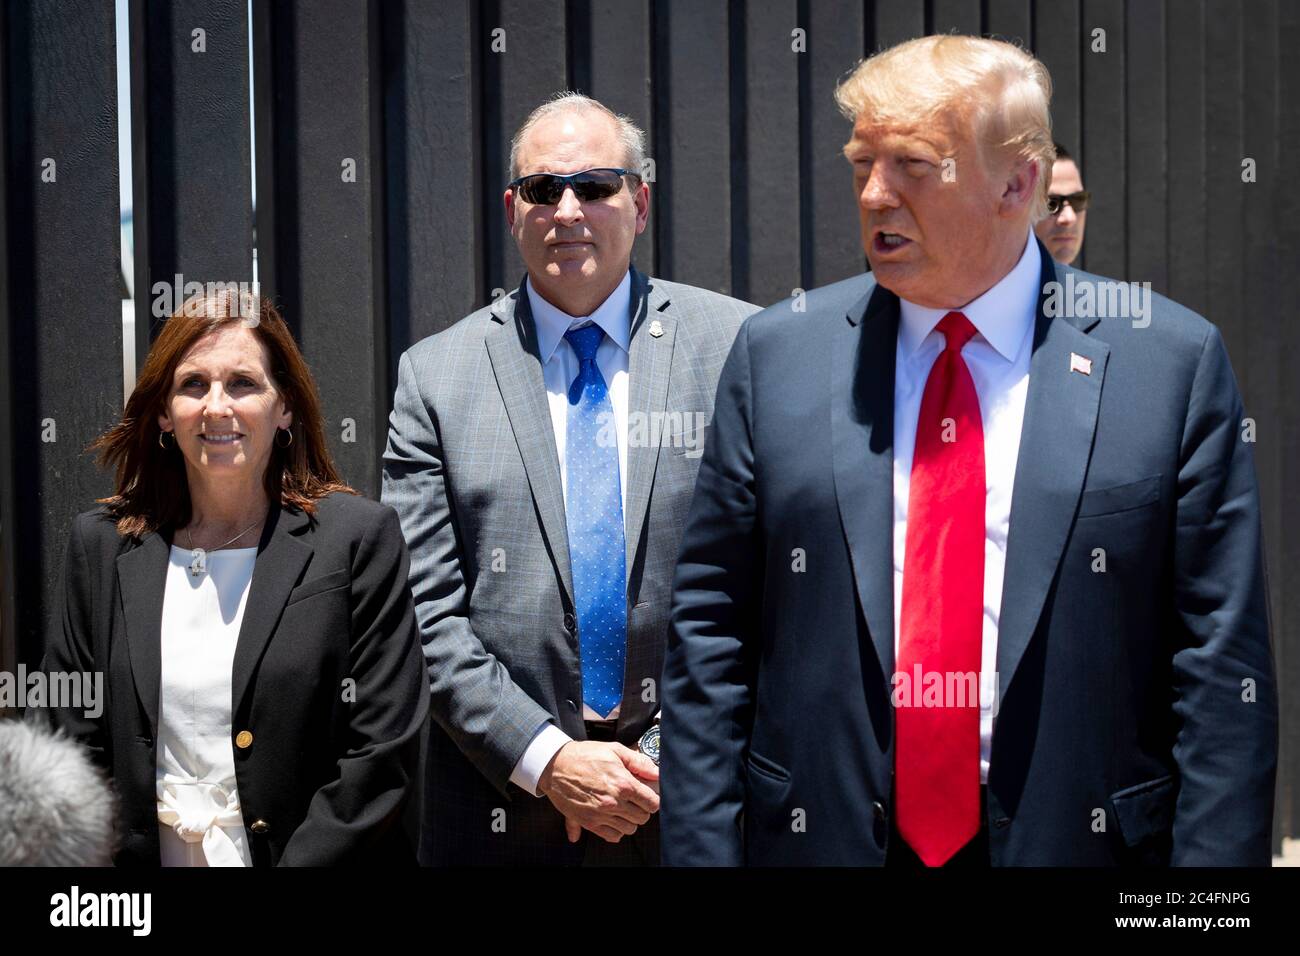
<point>1067,210</point>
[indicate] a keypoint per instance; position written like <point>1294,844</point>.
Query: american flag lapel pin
<point>1080,364</point>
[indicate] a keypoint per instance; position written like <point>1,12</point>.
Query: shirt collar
<point>613,316</point>
<point>1002,314</point>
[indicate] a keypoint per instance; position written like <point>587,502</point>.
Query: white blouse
<point>199,817</point>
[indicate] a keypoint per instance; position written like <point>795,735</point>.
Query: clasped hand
<point>602,787</point>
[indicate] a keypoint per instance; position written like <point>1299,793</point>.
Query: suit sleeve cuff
<point>544,746</point>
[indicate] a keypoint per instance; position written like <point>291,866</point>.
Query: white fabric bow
<point>201,812</point>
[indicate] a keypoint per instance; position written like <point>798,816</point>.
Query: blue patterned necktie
<point>594,515</point>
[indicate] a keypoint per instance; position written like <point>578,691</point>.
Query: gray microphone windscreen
<point>56,808</point>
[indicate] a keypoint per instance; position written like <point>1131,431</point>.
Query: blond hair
<point>1003,93</point>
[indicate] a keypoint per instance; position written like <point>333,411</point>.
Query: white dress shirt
<point>560,366</point>
<point>199,817</point>
<point>998,359</point>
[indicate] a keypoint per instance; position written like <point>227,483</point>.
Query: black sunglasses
<point>1078,201</point>
<point>547,189</point>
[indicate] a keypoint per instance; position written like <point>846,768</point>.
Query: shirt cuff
<point>544,745</point>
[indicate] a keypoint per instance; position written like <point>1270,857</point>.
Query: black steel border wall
<point>382,132</point>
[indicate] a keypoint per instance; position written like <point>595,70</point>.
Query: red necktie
<point>936,755</point>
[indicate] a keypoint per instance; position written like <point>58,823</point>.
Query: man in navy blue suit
<point>973,572</point>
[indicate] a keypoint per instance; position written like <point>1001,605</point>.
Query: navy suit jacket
<point>1137,719</point>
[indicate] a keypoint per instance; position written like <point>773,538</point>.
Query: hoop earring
<point>283,431</point>
<point>163,445</point>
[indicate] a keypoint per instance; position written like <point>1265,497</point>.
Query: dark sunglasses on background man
<point>547,189</point>
<point>1078,201</point>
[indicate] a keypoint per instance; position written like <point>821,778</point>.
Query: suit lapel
<point>141,581</point>
<point>517,365</point>
<point>1061,410</point>
<point>281,558</point>
<point>649,364</point>
<point>862,451</point>
<point>1055,447</point>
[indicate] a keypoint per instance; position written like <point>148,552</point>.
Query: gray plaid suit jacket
<point>472,470</point>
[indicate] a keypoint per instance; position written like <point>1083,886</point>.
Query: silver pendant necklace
<point>199,557</point>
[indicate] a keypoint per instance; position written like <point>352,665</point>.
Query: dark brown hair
<point>152,489</point>
<point>1063,153</point>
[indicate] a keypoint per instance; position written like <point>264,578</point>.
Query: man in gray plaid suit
<point>542,455</point>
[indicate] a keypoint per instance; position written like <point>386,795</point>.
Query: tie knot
<point>957,331</point>
<point>585,341</point>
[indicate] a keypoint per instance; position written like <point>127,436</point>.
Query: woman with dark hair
<point>250,612</point>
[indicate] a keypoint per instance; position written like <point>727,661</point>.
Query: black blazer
<point>331,765</point>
